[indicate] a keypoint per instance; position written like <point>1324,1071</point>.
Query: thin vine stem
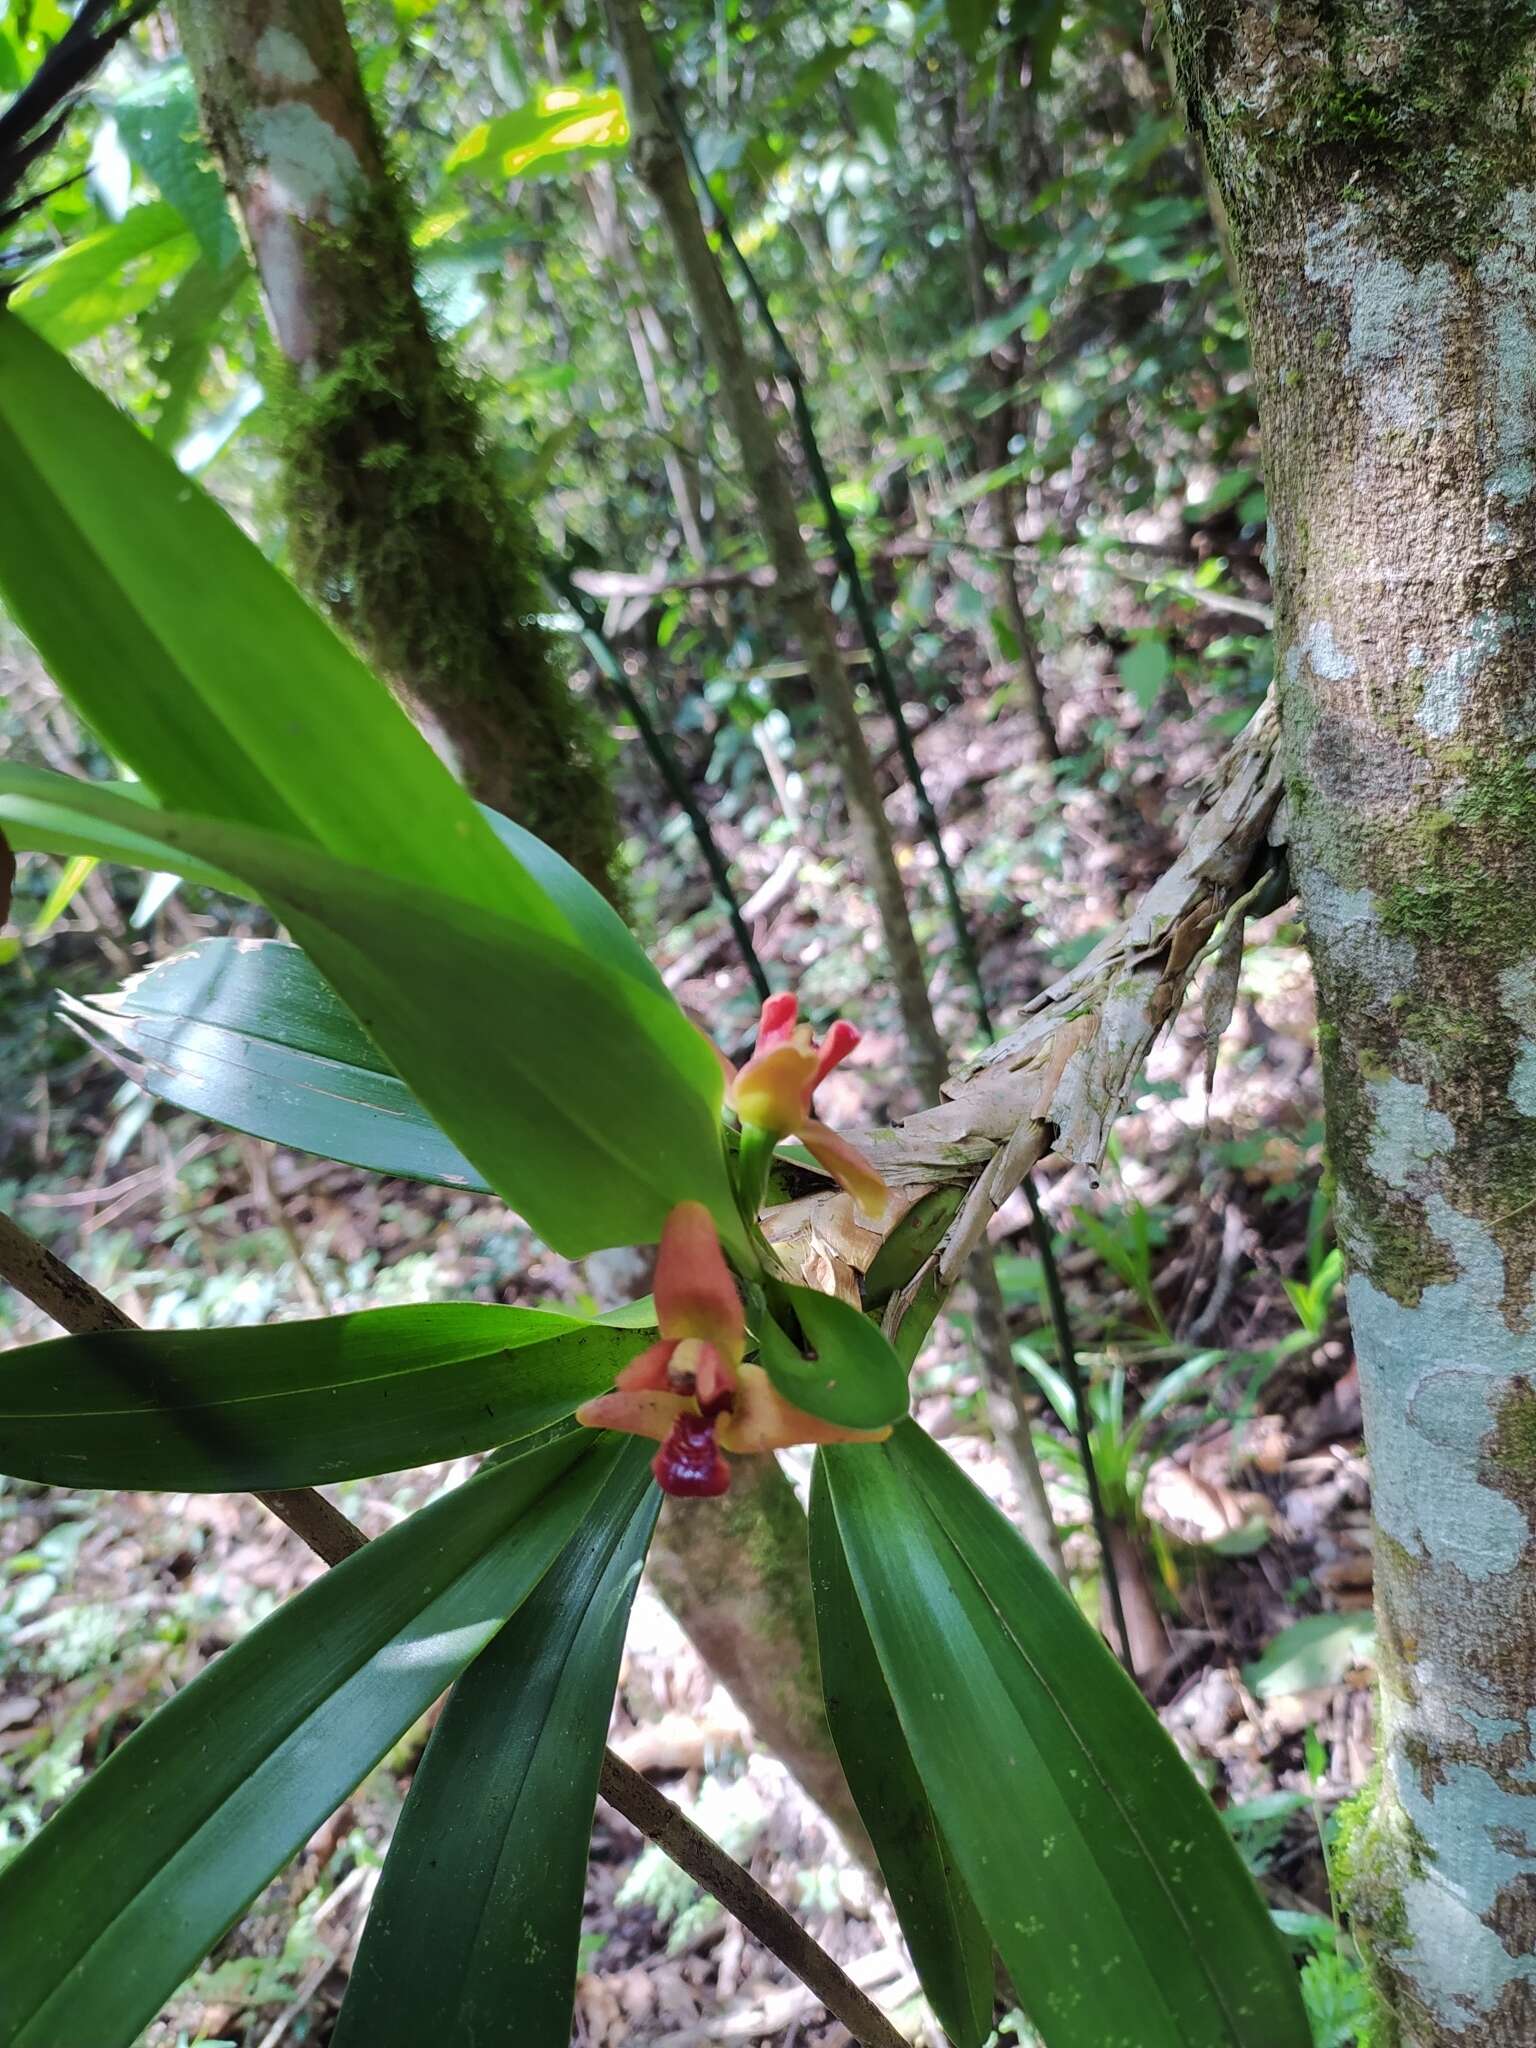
<point>1072,1373</point>
<point>664,761</point>
<point>846,557</point>
<point>83,1310</point>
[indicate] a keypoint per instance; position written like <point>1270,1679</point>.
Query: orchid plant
<point>452,1001</point>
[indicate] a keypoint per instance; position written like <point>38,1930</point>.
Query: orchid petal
<point>648,1372</point>
<point>835,1048</point>
<point>847,1165</point>
<point>695,1294</point>
<point>773,1090</point>
<point>640,1414</point>
<point>714,1383</point>
<point>776,1023</point>
<point>763,1420</point>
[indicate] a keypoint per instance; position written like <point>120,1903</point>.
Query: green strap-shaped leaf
<point>585,1099</point>
<point>142,1870</point>
<point>474,1931</point>
<point>1099,1867</point>
<point>296,1404</point>
<point>199,664</point>
<point>938,1916</point>
<point>847,1372</point>
<point>597,925</point>
<point>247,1033</point>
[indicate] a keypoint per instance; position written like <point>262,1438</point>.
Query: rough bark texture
<point>659,161</point>
<point>1378,159</point>
<point>398,521</point>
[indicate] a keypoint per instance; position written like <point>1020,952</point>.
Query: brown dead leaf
<point>1199,1510</point>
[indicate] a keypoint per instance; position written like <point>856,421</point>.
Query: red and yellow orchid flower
<point>690,1391</point>
<point>773,1092</point>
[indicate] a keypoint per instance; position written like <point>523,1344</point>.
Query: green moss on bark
<point>1420,111</point>
<point>1376,1851</point>
<point>399,523</point>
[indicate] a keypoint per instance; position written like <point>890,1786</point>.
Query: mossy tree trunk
<point>398,521</point>
<point>1378,162</point>
<point>735,1573</point>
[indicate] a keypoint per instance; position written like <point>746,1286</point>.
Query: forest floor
<point>1205,1240</point>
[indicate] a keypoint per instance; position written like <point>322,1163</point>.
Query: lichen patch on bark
<point>282,59</point>
<point>1378,160</point>
<point>311,170</point>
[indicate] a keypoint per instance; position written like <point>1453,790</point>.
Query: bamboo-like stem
<point>993,452</point>
<point>845,555</point>
<point>662,167</point>
<point>83,1310</point>
<point>989,1315</point>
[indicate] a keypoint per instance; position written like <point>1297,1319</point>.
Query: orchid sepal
<point>762,1420</point>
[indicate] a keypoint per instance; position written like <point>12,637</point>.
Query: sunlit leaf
<point>560,123</point>
<point>105,277</point>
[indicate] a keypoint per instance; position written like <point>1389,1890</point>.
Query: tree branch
<point>1057,1083</point>
<point>81,1309</point>
<point>740,1893</point>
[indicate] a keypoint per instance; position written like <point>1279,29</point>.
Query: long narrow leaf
<point>1100,1868</point>
<point>586,1100</point>
<point>141,1871</point>
<point>474,1932</point>
<point>247,1033</point>
<point>938,1916</point>
<point>296,1404</point>
<point>199,664</point>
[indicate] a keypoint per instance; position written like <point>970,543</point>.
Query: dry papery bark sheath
<point>1378,163</point>
<point>398,521</point>
<point>1057,1083</point>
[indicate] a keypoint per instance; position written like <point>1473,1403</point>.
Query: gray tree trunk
<point>1378,162</point>
<point>398,521</point>
<point>659,159</point>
